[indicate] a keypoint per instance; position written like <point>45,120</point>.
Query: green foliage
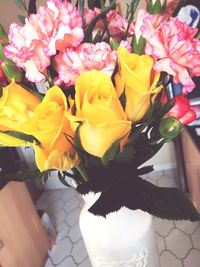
<point>21,18</point>
<point>12,71</point>
<point>90,28</point>
<point>114,44</point>
<point>97,38</point>
<point>21,4</point>
<point>112,152</point>
<point>3,35</point>
<point>138,47</point>
<point>23,176</point>
<point>131,9</point>
<point>25,137</point>
<point>2,56</point>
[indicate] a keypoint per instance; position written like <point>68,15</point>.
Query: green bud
<point>3,36</point>
<point>170,128</point>
<point>12,72</point>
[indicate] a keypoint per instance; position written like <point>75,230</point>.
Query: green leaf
<point>21,4</point>
<point>112,152</point>
<point>114,44</point>
<point>138,46</point>
<point>20,176</point>
<point>3,35</point>
<point>12,71</point>
<point>21,18</point>
<point>127,155</point>
<point>2,56</point>
<point>25,137</point>
<point>155,8</point>
<point>97,38</point>
<point>165,109</point>
<point>77,140</point>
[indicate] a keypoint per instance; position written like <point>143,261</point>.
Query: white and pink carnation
<point>147,24</point>
<point>175,51</point>
<point>55,27</point>
<point>87,56</point>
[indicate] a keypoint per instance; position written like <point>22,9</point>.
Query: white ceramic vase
<point>123,239</point>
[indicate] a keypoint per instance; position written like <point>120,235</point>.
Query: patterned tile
<point>193,259</point>
<point>61,250</point>
<point>178,243</point>
<point>196,238</point>
<point>163,227</point>
<point>168,259</point>
<point>68,262</point>
<point>79,253</point>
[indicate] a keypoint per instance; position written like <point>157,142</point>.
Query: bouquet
<point>87,89</point>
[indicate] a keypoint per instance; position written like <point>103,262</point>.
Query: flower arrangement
<point>104,108</point>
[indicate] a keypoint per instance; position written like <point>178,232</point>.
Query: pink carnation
<point>86,57</point>
<point>55,27</point>
<point>117,25</point>
<point>176,51</point>
<point>147,24</point>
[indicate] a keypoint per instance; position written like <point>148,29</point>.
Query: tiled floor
<point>178,242</point>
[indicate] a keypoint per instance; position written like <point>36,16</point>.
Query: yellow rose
<point>98,107</point>
<point>137,77</point>
<point>50,126</point>
<point>16,106</point>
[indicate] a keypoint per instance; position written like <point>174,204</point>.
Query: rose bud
<point>181,109</point>
<point>170,128</point>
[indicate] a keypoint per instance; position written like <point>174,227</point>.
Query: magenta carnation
<point>55,27</point>
<point>87,56</point>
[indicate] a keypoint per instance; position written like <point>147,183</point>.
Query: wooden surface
<point>23,241</point>
<point>192,168</point>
